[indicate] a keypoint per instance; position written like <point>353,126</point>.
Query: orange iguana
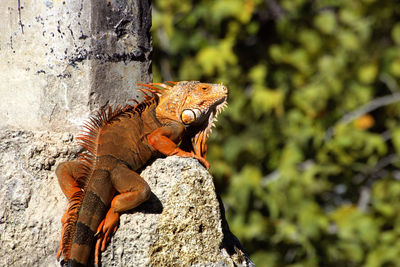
<point>174,119</point>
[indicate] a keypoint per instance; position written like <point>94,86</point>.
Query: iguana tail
<point>88,206</point>
<point>92,211</point>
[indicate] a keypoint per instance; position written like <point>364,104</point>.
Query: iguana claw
<point>104,232</point>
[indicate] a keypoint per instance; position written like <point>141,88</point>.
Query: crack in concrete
<point>139,55</point>
<point>19,17</point>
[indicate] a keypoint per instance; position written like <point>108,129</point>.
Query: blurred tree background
<point>306,156</point>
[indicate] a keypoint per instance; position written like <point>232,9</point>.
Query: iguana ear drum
<point>188,116</point>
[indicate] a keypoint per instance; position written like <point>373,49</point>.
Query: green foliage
<point>306,156</point>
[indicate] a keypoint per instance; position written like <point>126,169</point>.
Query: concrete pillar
<point>61,60</point>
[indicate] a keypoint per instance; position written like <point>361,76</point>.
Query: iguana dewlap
<point>174,119</point>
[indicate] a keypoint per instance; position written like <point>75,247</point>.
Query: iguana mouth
<point>218,108</point>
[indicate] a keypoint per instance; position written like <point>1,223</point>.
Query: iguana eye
<point>188,116</point>
<point>204,88</point>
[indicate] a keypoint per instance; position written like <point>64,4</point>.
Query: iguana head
<point>194,104</point>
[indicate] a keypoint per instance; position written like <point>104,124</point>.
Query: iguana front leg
<point>166,139</point>
<point>133,190</point>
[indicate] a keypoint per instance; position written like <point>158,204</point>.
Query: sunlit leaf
<point>326,22</point>
<point>367,73</point>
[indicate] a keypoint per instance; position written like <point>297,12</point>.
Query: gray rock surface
<point>181,225</point>
<point>61,60</point>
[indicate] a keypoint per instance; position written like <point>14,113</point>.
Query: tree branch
<point>372,105</point>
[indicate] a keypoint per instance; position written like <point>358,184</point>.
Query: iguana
<point>175,118</point>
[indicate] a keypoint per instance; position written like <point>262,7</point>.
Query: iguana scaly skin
<point>174,119</point>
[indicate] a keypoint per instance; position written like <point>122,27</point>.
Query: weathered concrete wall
<point>60,60</point>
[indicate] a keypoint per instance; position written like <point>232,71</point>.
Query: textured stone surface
<point>180,225</point>
<point>31,202</point>
<point>60,60</point>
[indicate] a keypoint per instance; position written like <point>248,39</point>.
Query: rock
<point>31,202</point>
<point>182,224</point>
